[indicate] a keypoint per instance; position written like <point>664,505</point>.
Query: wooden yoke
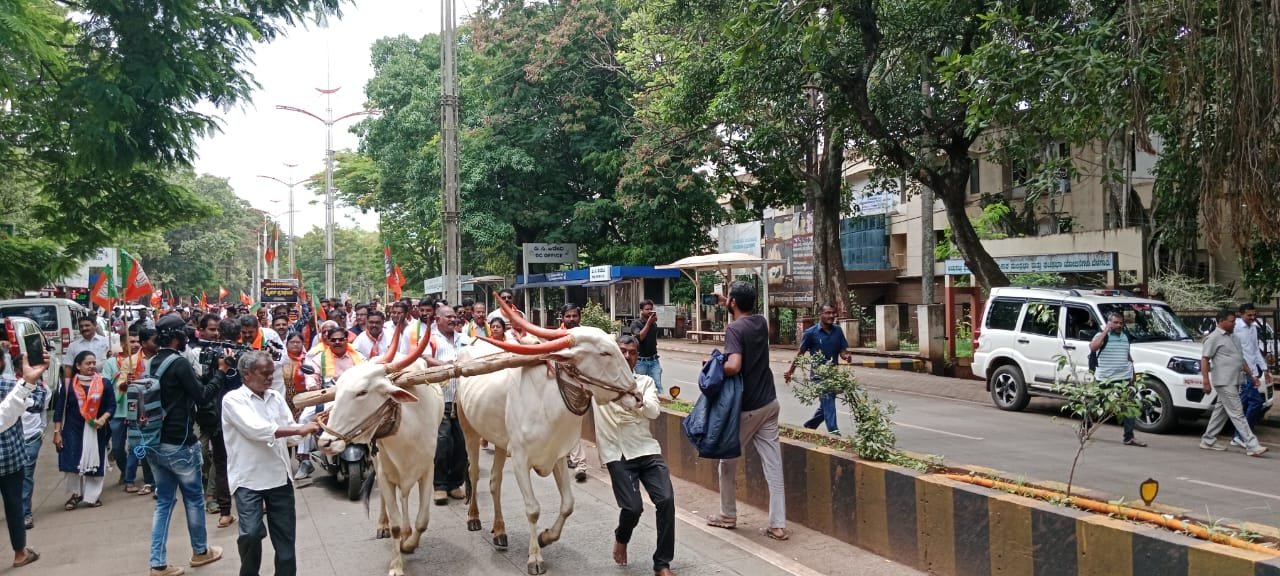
<point>411,376</point>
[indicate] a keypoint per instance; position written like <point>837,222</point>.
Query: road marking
<point>775,559</point>
<point>934,430</point>
<point>1231,488</point>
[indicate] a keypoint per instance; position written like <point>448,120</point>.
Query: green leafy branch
<point>873,438</point>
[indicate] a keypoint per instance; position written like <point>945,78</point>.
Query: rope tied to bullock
<point>381,423</point>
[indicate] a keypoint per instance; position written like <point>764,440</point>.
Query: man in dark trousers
<point>634,457</point>
<point>451,447</point>
<point>827,340</point>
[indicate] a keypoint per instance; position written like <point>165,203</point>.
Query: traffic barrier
<point>943,526</point>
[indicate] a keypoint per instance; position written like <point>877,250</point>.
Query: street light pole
<point>329,121</point>
<point>293,259</point>
<point>449,148</point>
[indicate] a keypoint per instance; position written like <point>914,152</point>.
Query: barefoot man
<point>633,458</point>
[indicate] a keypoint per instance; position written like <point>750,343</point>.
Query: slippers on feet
<point>780,535</point>
<point>721,521</point>
<point>226,521</point>
<point>32,556</point>
<point>131,489</point>
<point>146,489</point>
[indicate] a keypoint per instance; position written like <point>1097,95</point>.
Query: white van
<point>56,317</point>
<point>1024,329</point>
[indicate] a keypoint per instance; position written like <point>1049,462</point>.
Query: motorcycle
<point>352,467</point>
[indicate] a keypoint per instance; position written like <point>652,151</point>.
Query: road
<point>955,418</point>
<point>335,536</point>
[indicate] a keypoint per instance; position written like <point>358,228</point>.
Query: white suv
<point>1024,329</point>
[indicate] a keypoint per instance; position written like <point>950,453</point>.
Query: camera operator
<point>219,372</point>
<point>176,462</point>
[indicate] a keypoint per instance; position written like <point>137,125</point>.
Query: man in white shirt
<point>262,338</point>
<point>451,447</point>
<point>509,297</point>
<point>1257,375</point>
<point>89,340</point>
<point>255,422</point>
<point>634,457</point>
<point>374,341</point>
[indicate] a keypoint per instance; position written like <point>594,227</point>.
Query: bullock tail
<point>471,487</point>
<point>366,488</point>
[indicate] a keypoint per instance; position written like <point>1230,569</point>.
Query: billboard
<point>789,238</point>
<point>743,238</point>
<point>279,291</point>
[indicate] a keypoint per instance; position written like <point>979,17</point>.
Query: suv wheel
<point>1158,415</point>
<point>1008,389</point>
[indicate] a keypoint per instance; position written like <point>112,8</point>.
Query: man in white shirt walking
<point>255,421</point>
<point>89,340</point>
<point>374,341</point>
<point>1257,375</point>
<point>634,457</point>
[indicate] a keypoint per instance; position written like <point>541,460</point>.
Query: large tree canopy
<point>100,103</point>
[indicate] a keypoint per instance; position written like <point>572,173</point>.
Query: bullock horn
<point>403,363</point>
<point>543,348</point>
<point>395,343</point>
<point>519,321</point>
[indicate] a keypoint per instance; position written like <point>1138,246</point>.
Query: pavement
<point>335,536</point>
<point>955,418</point>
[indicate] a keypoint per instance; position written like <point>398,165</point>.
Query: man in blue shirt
<point>827,339</point>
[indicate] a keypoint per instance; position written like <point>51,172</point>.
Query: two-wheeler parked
<point>351,467</point>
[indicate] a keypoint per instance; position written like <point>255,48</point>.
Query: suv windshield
<point>1148,322</point>
<point>45,315</point>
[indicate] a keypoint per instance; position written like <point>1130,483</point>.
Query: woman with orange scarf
<point>295,380</point>
<point>81,432</point>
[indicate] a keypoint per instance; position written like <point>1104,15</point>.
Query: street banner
<point>279,291</point>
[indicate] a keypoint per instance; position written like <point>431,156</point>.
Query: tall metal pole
<point>293,259</point>
<point>449,145</point>
<point>275,250</point>
<point>328,121</point>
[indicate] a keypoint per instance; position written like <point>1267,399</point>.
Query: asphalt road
<point>955,419</point>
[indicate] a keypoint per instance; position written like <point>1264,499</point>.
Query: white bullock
<point>523,413</point>
<point>403,423</point>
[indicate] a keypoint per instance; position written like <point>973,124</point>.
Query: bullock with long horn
<point>401,424</point>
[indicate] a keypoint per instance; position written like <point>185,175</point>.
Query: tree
<point>100,104</point>
<point>358,261</point>
<point>878,59</point>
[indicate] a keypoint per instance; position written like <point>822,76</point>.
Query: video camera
<point>213,350</point>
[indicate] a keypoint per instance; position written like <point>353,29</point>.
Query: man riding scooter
<point>329,360</point>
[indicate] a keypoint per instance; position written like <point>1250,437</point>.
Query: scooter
<point>352,466</point>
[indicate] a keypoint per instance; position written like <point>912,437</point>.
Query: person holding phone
<point>645,329</point>
<point>14,393</point>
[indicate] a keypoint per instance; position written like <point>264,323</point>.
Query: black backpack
<point>1093,354</point>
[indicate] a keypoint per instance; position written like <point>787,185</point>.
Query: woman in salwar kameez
<point>81,431</point>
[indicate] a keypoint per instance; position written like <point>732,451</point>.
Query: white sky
<point>258,139</point>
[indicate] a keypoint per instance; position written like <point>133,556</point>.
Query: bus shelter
<point>726,264</point>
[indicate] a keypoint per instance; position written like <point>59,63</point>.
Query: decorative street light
<point>293,261</point>
<point>328,121</point>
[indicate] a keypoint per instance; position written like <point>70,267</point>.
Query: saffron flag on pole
<point>156,300</point>
<point>222,293</point>
<point>245,299</point>
<point>397,281</point>
<point>204,300</point>
<point>136,284</point>
<point>103,293</point>
<point>386,265</point>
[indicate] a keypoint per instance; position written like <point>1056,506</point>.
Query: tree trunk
<point>965,238</point>
<point>823,195</point>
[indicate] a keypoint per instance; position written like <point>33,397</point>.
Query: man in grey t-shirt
<point>1222,366</point>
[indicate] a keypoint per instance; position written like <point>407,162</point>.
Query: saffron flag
<point>386,266</point>
<point>103,293</point>
<point>136,284</point>
<point>156,301</point>
<point>245,299</point>
<point>270,253</point>
<point>222,293</point>
<point>397,281</point>
<point>204,300</point>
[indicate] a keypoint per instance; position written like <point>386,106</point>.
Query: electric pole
<point>449,149</point>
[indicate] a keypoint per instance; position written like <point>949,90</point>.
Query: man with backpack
<point>1111,363</point>
<point>172,446</point>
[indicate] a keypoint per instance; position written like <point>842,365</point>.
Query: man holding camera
<point>176,462</point>
<point>219,372</point>
<point>645,330</point>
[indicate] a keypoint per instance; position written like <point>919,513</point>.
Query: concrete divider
<point>952,528</point>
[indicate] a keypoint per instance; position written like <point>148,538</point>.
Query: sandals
<point>146,489</point>
<point>722,521</point>
<point>32,556</point>
<point>72,502</point>
<point>226,521</point>
<point>781,534</point>
<point>97,504</point>
<point>131,489</point>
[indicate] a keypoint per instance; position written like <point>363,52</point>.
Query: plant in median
<point>594,315</point>
<point>1093,403</point>
<point>873,438</point>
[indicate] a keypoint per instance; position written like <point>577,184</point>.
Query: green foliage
<point>595,316</point>
<point>357,267</point>
<point>1034,279</point>
<point>874,438</point>
<point>988,225</point>
<point>1183,292</point>
<point>100,105</point>
<point>1093,403</point>
<point>1261,270</point>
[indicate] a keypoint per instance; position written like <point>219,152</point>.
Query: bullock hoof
<point>500,541</point>
<point>537,568</point>
<point>382,533</point>
<point>545,539</point>
<point>407,547</point>
<point>473,525</point>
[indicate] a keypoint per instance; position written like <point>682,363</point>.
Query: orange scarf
<point>329,362</point>
<point>89,406</point>
<point>257,341</point>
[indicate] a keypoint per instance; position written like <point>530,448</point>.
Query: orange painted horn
<point>518,320</point>
<point>395,343</point>
<point>529,349</point>
<point>403,363</point>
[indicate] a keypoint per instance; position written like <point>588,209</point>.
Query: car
<point>57,317</point>
<point>32,344</point>
<point>1025,330</point>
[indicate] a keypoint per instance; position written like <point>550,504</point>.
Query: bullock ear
<point>561,356</point>
<point>403,396</point>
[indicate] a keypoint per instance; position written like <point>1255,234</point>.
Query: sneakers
<point>1236,442</point>
<point>213,554</point>
<point>167,571</point>
<point>304,470</point>
<point>1214,447</point>
<point>1256,451</point>
<point>440,497</point>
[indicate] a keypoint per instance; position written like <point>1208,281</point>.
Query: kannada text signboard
<point>279,291</point>
<point>535,253</point>
<point>1056,263</point>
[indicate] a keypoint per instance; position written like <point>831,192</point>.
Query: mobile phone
<point>709,300</point>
